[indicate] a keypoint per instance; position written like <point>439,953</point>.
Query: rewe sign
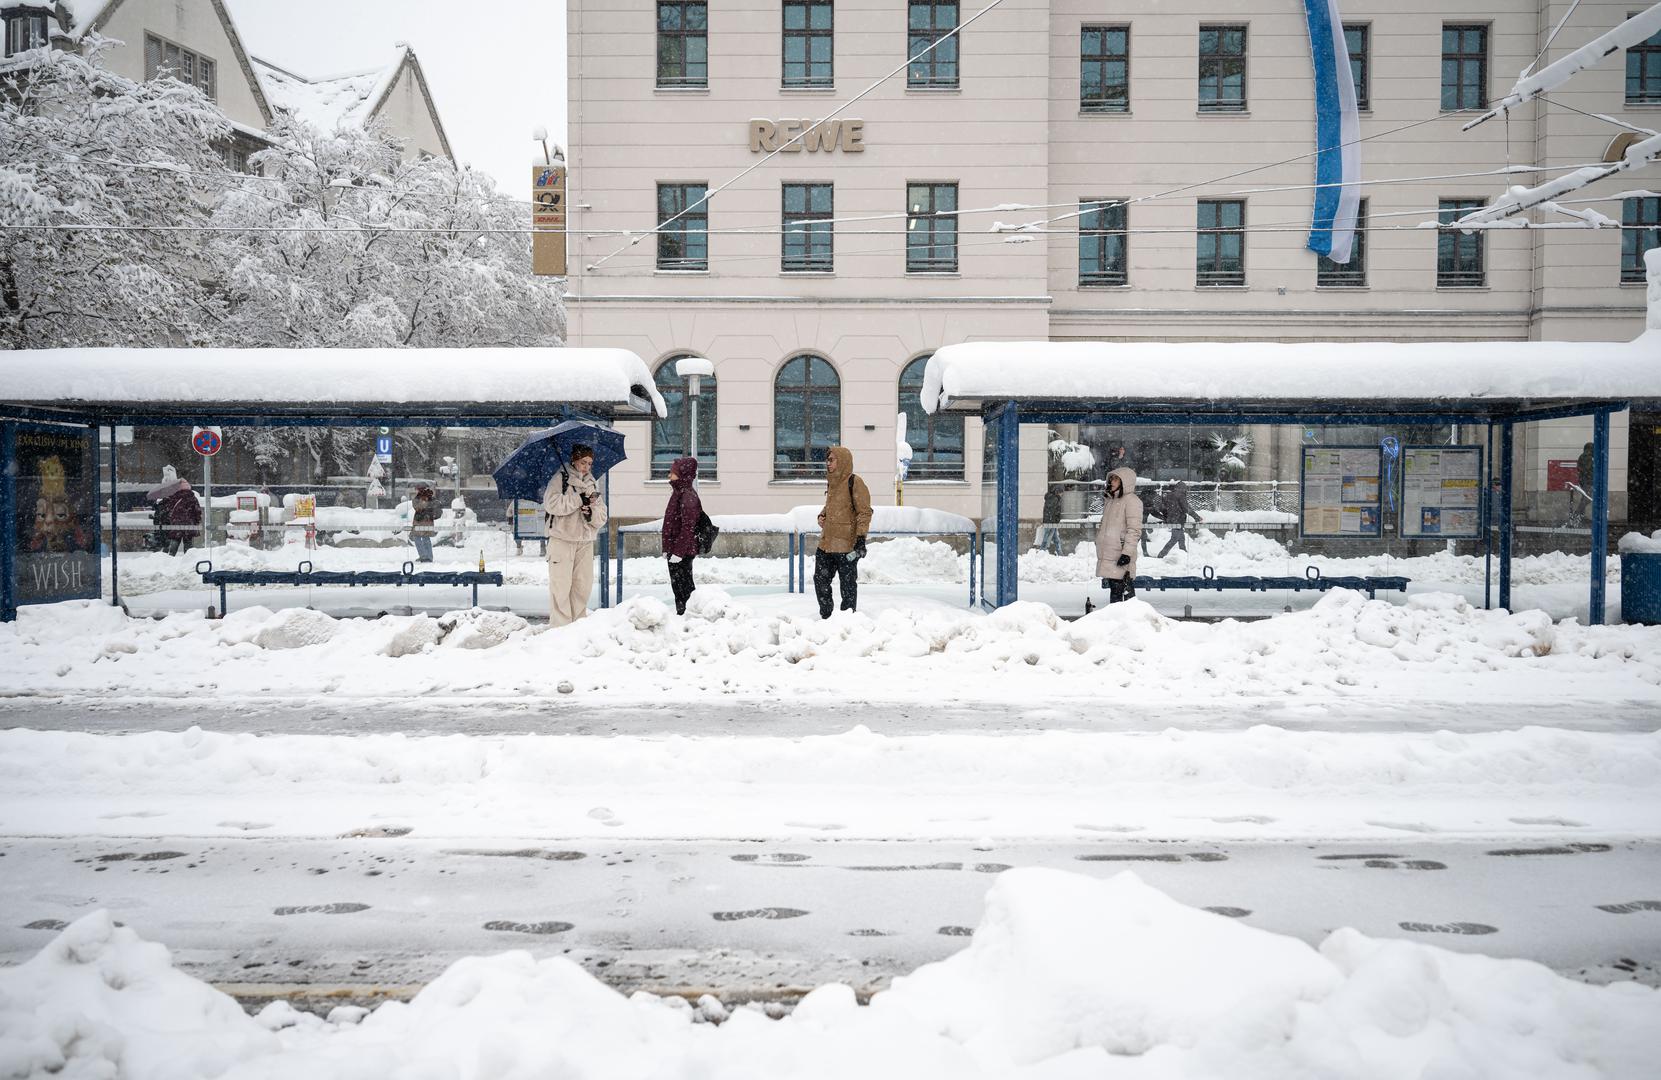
<point>847,136</point>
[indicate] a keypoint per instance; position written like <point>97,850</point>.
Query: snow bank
<point>892,519</point>
<point>1065,977</point>
<point>1345,645</point>
<point>1635,543</point>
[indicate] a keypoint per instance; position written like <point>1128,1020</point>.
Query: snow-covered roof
<point>79,14</point>
<point>327,382</point>
<point>331,104</point>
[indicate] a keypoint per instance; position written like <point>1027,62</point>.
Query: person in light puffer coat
<point>1118,534</point>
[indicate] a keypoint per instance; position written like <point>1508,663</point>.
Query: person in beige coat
<point>1118,534</point>
<point>575,514</point>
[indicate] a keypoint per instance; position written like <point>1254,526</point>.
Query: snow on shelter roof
<point>330,382</point>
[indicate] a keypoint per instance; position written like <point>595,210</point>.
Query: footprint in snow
<point>1157,856</point>
<point>378,832</point>
<point>773,858</point>
<point>46,924</point>
<point>321,909</point>
<point>1564,849</point>
<point>529,928</point>
<point>521,853</point>
<point>758,913</point>
<point>132,814</point>
<point>956,931</point>
<point>1565,823</point>
<point>1230,912</point>
<point>1631,906</point>
<point>870,933</point>
<point>928,866</point>
<point>1448,928</point>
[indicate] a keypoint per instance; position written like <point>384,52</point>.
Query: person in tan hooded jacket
<point>843,524</point>
<point>575,513</point>
<point>1118,534</point>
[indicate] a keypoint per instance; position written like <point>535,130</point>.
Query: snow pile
<point>1636,543</point>
<point>296,628</point>
<point>909,560</point>
<point>1065,977</point>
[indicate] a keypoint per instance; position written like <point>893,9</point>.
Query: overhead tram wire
<point>955,31</point>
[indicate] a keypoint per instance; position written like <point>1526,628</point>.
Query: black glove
<point>1124,560</point>
<point>859,548</point>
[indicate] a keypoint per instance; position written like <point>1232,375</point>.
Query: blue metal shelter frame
<point>1010,414</point>
<point>527,414</point>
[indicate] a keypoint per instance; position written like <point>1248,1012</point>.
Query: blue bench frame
<point>305,575</point>
<point>1312,579</point>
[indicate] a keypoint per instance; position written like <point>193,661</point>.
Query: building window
<point>683,233</point>
<point>1358,40</point>
<point>25,31</point>
<point>1220,251</point>
<point>808,232</point>
<point>1101,242</point>
<point>235,156</point>
<point>1104,69</point>
<point>809,43</point>
<point>807,417</point>
<point>671,436</point>
<point>1640,232</point>
<point>1353,274</point>
<point>1464,67</point>
<point>682,44</point>
<point>1459,255</point>
<point>1643,72</point>
<point>936,439</point>
<point>163,59</point>
<point>1222,69</point>
<point>928,22</point>
<point>931,229</point>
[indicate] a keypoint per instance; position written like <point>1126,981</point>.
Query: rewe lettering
<point>792,136</point>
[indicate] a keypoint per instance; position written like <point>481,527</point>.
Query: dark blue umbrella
<point>526,472</point>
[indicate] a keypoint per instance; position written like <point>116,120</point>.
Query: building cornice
<point>817,301</point>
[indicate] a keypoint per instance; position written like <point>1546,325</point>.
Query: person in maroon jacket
<point>680,529</point>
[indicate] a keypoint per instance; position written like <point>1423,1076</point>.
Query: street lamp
<point>693,369</point>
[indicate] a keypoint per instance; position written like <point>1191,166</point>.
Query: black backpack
<point>705,533</point>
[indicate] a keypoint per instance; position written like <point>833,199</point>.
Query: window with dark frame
<point>163,59</point>
<point>683,235</point>
<point>1464,67</point>
<point>809,44</point>
<point>1643,72</point>
<point>1353,274</point>
<point>1104,69</point>
<point>1640,232</point>
<point>1102,241</point>
<point>928,23</point>
<point>25,31</point>
<point>808,234</point>
<point>682,44</point>
<point>936,439</point>
<point>1222,69</point>
<point>1220,243</point>
<point>1459,255</point>
<point>1358,40</point>
<point>807,417</point>
<point>672,435</point>
<point>931,229</point>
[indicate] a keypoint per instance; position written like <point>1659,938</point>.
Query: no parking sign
<point>206,440</point>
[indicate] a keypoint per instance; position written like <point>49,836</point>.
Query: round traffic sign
<point>206,440</point>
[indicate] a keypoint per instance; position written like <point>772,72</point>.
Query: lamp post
<point>693,369</point>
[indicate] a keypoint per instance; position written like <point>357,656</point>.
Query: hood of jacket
<point>1127,479</point>
<point>682,472</point>
<point>839,466</point>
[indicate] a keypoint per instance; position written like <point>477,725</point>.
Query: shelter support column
<point>115,526</point>
<point>1009,503</point>
<point>1600,515</point>
<point>8,522</point>
<point>604,554</point>
<point>1508,474</point>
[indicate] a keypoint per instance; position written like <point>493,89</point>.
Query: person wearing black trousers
<point>680,529</point>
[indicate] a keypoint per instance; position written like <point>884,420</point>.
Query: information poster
<point>57,518</point>
<point>1441,492</point>
<point>1341,492</point>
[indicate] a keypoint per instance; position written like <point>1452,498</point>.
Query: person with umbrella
<point>575,513</point>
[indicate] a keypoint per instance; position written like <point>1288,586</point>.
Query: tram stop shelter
<point>53,403</point>
<point>1497,384</point>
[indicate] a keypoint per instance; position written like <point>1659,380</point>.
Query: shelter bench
<point>305,575</point>
<point>1312,579</point>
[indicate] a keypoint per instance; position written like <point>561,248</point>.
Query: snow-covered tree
<point>71,133</point>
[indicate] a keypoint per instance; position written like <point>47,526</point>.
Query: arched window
<point>936,440</point>
<point>807,417</point>
<point>671,436</point>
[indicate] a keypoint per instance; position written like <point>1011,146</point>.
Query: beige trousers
<point>570,579</point>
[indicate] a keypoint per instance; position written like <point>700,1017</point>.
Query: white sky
<point>496,70</point>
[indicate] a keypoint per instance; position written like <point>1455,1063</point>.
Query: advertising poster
<point>1441,492</point>
<point>1341,493</point>
<point>56,524</point>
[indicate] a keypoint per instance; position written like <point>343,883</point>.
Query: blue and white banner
<point>1337,133</point>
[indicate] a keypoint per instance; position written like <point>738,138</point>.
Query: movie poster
<point>57,514</point>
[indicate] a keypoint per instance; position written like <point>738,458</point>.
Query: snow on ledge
<point>613,377</point>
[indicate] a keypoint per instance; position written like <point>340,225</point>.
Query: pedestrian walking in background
<point>1118,534</point>
<point>843,524</point>
<point>575,514</point>
<point>680,529</point>
<point>1175,512</point>
<point>179,517</point>
<point>423,522</point>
